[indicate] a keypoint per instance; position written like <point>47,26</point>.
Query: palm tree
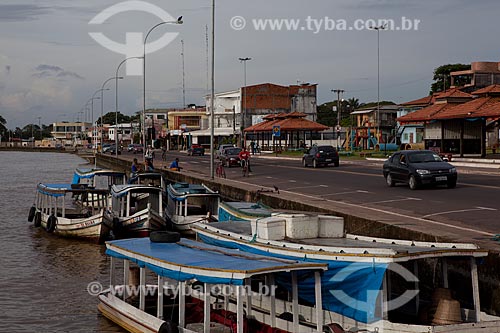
<point>353,103</point>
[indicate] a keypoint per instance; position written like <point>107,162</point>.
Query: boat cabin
<point>194,287</point>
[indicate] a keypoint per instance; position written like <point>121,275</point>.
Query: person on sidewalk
<point>174,166</point>
<point>135,168</point>
<point>149,164</point>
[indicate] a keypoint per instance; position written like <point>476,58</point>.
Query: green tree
<point>3,128</point>
<point>328,117</point>
<point>442,72</point>
<point>109,118</point>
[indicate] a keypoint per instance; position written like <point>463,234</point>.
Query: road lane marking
<point>302,187</point>
<point>394,200</point>
<point>487,208</point>
<point>458,211</point>
<point>323,185</point>
<point>340,193</point>
<point>489,234</point>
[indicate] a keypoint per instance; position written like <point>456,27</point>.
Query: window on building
<point>190,121</point>
<point>160,116</point>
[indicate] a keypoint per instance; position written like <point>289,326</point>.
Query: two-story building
<point>373,125</point>
<point>245,107</point>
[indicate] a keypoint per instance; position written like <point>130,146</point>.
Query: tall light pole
<point>94,148</point>
<point>244,97</point>
<point>102,106</point>
<point>40,126</point>
<point>212,95</point>
<point>338,92</point>
<point>178,21</point>
<point>116,100</point>
<point>183,76</point>
<point>378,28</point>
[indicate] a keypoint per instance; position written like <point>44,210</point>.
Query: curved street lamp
<point>116,100</point>
<point>378,28</point>
<point>102,106</point>
<point>178,21</point>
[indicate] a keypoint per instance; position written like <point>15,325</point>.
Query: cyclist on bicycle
<point>244,156</point>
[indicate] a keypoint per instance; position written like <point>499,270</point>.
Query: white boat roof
<point>121,190</point>
<point>186,189</point>
<point>349,248</point>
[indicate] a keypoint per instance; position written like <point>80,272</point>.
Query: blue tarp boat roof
<point>242,211</point>
<point>188,259</point>
<point>54,190</point>
<point>59,190</point>
<point>348,288</point>
<point>86,173</point>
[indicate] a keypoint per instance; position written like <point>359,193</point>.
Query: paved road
<point>473,205</point>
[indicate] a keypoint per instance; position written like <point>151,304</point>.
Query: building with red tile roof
<point>459,122</point>
<point>292,126</point>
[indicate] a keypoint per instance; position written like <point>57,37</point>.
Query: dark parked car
<point>135,148</point>
<point>417,168</point>
<point>229,157</point>
<point>112,150</point>
<point>196,150</point>
<point>321,155</point>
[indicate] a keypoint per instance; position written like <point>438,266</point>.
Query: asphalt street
<point>472,206</point>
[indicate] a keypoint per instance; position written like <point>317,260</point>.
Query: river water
<point>43,278</point>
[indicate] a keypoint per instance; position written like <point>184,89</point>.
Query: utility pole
<point>244,96</point>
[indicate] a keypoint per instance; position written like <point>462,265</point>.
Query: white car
<point>221,148</point>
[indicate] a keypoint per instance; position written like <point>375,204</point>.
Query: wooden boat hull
<point>127,316</point>
<point>183,224</point>
<point>90,228</point>
<point>137,225</point>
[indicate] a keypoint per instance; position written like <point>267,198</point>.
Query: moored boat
<point>200,288</point>
<point>95,178</point>
<point>149,178</point>
<point>135,210</point>
<point>234,211</point>
<point>54,210</point>
<point>372,284</point>
<point>188,204</point>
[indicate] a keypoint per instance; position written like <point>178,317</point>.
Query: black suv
<point>321,155</point>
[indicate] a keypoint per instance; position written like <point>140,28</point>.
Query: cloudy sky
<point>50,66</point>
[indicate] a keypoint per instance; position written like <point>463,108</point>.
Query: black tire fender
<point>164,237</point>
<point>37,219</point>
<point>31,214</point>
<point>168,327</point>
<point>51,223</point>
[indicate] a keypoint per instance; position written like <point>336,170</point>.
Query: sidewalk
<point>458,161</point>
